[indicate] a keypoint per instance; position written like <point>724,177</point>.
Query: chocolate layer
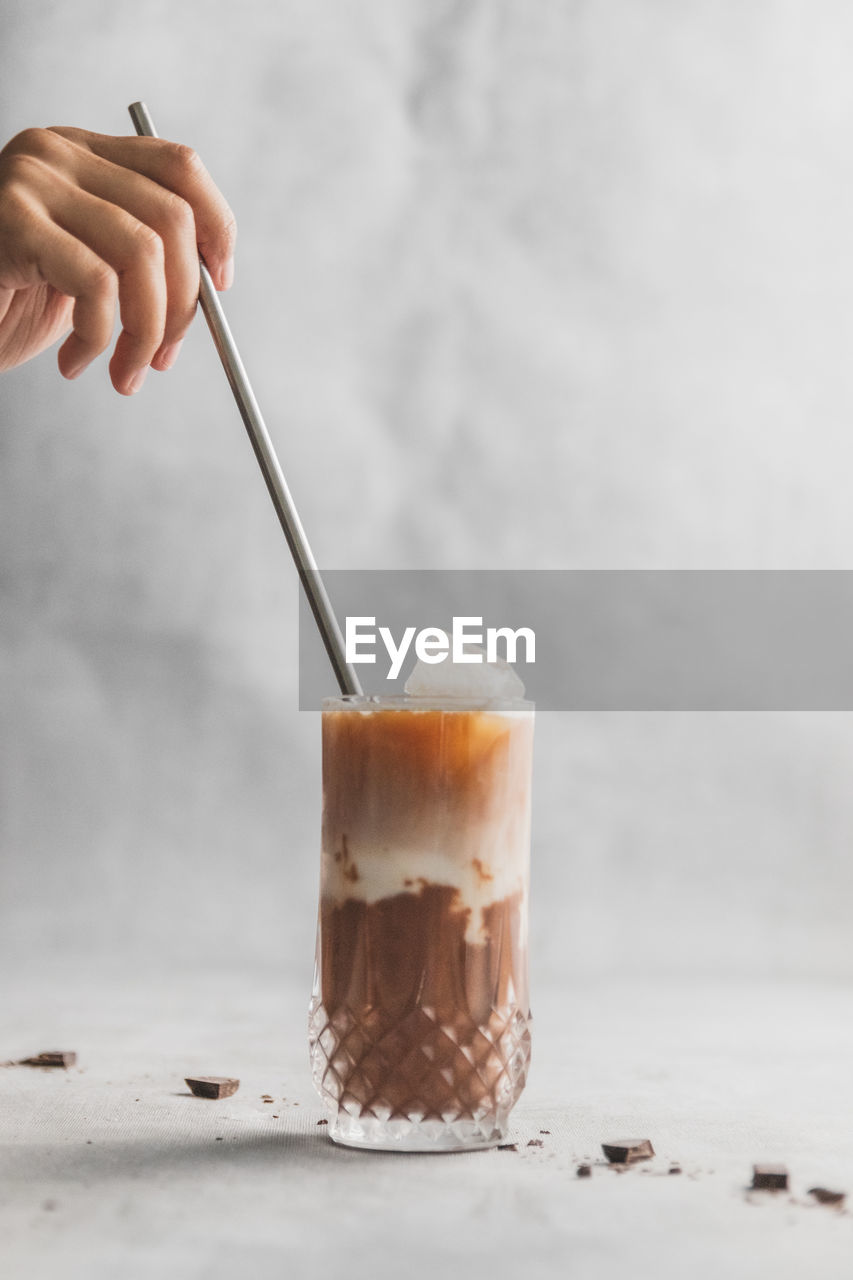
<point>419,1020</point>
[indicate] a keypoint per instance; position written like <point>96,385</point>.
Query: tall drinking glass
<point>419,1020</point>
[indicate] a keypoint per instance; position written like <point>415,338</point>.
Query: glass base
<point>368,1133</point>
<point>417,1082</point>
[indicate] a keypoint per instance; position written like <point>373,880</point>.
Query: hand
<point>88,220</point>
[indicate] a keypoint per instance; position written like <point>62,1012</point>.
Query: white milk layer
<point>369,874</point>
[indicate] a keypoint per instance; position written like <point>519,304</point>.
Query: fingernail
<point>167,357</point>
<point>137,380</point>
<point>74,357</point>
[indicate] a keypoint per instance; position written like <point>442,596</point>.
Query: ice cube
<point>475,680</point>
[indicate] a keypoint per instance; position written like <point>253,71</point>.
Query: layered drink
<point>419,1020</point>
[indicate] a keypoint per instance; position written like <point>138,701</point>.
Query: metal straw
<point>306,567</point>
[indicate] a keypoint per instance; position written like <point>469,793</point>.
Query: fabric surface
<point>112,1168</point>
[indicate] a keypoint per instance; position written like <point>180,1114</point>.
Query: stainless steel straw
<point>306,567</point>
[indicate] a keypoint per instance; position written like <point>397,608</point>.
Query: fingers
<point>136,255</point>
<point>129,251</point>
<point>168,216</point>
<point>143,208</point>
<point>75,270</point>
<point>178,169</point>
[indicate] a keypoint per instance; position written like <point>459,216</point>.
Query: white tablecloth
<point>111,1169</point>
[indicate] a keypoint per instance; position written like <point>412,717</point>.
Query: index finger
<point>179,169</point>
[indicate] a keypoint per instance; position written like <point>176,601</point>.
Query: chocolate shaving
<point>212,1086</point>
<point>55,1058</point>
<point>825,1196</point>
<point>769,1177</point>
<point>507,1146</point>
<point>628,1150</point>
<point>536,1142</point>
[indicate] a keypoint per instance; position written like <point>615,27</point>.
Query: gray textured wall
<point>556,284</point>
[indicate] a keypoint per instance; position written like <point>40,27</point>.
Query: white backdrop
<point>519,285</point>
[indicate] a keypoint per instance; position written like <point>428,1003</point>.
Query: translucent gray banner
<point>715,640</point>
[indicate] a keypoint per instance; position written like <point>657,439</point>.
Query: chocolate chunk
<point>769,1177</point>
<point>823,1196</point>
<point>584,1171</point>
<point>55,1058</point>
<point>322,1122</point>
<point>627,1150</point>
<point>674,1168</point>
<point>212,1086</point>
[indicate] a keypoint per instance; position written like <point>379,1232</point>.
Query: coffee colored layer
<point>437,795</point>
<point>422,1021</point>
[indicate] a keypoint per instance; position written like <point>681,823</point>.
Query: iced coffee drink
<point>419,1023</point>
